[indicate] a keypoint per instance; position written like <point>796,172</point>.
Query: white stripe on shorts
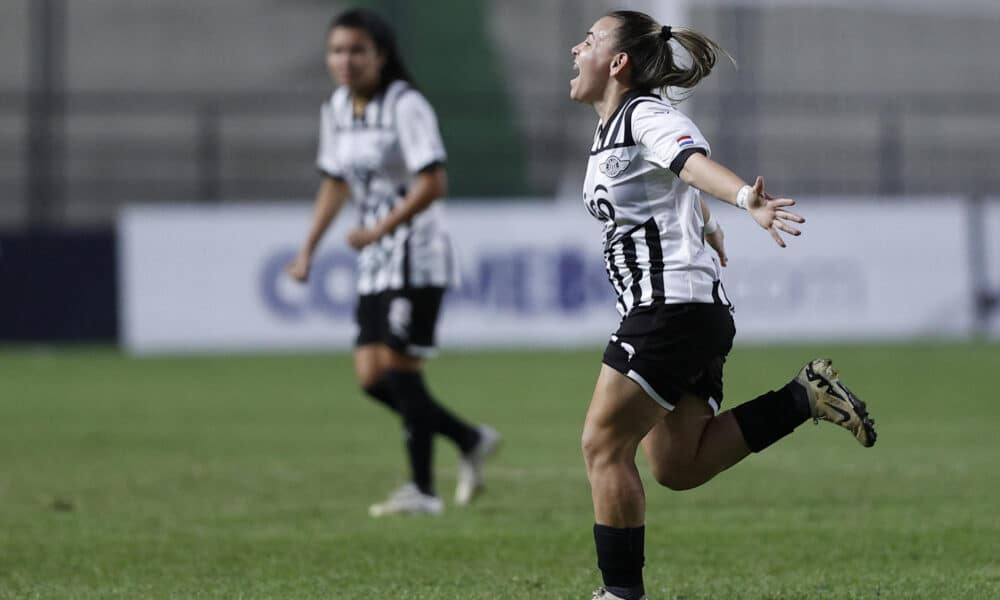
<point>649,389</point>
<point>421,351</point>
<point>712,402</point>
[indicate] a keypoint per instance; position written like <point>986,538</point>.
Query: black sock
<point>381,393</point>
<point>801,399</point>
<point>465,436</point>
<point>447,424</point>
<point>419,421</point>
<point>620,556</point>
<point>771,416</point>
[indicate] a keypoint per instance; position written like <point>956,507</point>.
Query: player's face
<point>353,59</point>
<point>592,61</point>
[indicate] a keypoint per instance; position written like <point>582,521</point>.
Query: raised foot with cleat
<point>470,466</point>
<point>830,400</point>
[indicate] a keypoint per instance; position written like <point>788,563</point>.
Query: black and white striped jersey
<point>377,154</point>
<point>654,248</point>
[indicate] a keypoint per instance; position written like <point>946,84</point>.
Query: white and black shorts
<point>673,349</point>
<point>404,319</point>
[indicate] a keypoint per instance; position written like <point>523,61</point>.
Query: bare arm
<point>713,178</point>
<point>330,198</point>
<point>427,187</point>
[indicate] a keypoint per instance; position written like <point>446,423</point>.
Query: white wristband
<point>711,226</point>
<point>743,196</point>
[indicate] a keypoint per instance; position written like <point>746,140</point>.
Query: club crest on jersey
<point>614,166</point>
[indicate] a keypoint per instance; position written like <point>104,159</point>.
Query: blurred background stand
<point>107,104</point>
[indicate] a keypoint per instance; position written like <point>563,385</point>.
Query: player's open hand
<point>716,240</point>
<point>359,238</point>
<point>770,213</point>
<point>298,269</point>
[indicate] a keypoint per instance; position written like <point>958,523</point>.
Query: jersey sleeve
<point>326,154</point>
<point>419,136</point>
<point>669,136</point>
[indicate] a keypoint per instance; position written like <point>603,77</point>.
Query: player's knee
<point>670,479</point>
<point>601,448</point>
<point>396,360</point>
<point>591,446</point>
<point>675,477</point>
<point>369,380</point>
<point>369,374</point>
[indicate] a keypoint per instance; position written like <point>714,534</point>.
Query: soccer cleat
<point>830,400</point>
<point>603,594</point>
<point>407,500</point>
<point>470,466</point>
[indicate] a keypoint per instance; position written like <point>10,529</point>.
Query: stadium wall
<point>210,279</point>
<point>58,286</point>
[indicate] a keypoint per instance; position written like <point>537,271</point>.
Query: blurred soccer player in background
<point>661,382</point>
<point>380,147</point>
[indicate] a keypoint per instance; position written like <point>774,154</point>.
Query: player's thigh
<point>673,442</point>
<point>369,363</point>
<point>368,355</point>
<point>619,416</point>
<point>391,358</point>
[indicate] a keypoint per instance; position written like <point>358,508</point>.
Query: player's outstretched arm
<point>427,186</point>
<point>715,179</point>
<point>330,198</point>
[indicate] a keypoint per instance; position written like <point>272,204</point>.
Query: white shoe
<point>830,400</point>
<point>470,466</point>
<point>407,500</point>
<point>603,594</point>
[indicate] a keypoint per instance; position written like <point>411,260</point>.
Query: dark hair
<point>384,38</point>
<point>647,44</point>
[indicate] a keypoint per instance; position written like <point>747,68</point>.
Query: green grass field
<point>250,477</point>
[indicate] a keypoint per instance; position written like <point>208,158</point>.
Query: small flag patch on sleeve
<point>685,140</point>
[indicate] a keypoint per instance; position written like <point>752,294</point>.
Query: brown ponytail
<point>647,44</point>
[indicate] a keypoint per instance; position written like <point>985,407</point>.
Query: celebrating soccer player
<point>661,382</point>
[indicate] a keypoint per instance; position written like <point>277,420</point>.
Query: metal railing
<point>98,150</point>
